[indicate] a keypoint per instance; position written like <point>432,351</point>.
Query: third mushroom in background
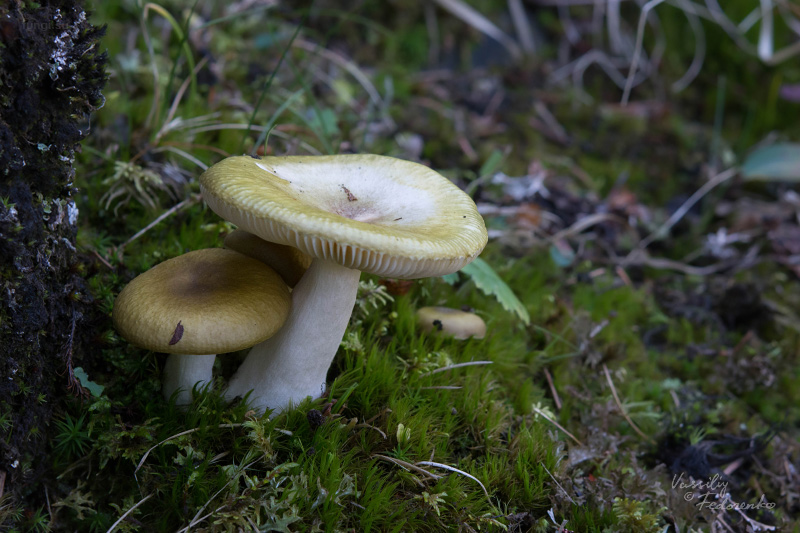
<point>453,322</point>
<point>350,213</point>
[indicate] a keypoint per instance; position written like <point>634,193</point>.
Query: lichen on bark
<point>51,75</point>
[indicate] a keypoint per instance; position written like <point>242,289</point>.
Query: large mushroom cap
<point>203,302</point>
<point>371,213</point>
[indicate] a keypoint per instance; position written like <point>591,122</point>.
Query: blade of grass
<point>683,209</point>
<point>278,112</point>
<point>622,409</point>
<point>475,19</point>
<point>182,433</point>
<point>321,131</point>
<point>129,511</point>
<point>405,465</point>
<point>556,424</point>
<point>458,365</point>
<point>719,115</point>
<point>699,48</point>
<point>344,63</point>
<point>233,16</point>
<point>184,44</point>
<point>177,100</point>
<point>637,54</point>
<point>268,84</point>
<point>341,401</point>
<point>457,471</point>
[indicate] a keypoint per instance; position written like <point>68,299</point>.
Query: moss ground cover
<point>655,386</point>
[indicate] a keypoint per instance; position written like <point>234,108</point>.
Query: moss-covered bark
<point>51,74</point>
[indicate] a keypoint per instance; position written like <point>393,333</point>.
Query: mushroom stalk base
<point>184,372</point>
<point>294,363</point>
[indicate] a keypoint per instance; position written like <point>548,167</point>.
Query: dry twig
<point>622,409</point>
<point>458,365</point>
<point>129,511</point>
<point>553,390</point>
<point>556,424</point>
<point>171,211</point>
<point>457,471</point>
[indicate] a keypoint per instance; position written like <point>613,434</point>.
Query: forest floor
<point>641,370</point>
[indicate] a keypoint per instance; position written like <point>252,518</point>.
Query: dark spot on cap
<point>350,196</point>
<point>177,335</point>
<point>438,324</point>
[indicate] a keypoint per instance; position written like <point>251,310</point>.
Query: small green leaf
<point>324,121</point>
<point>777,162</point>
<point>86,383</point>
<point>487,280</point>
<point>562,254</point>
<point>492,163</point>
<point>451,278</point>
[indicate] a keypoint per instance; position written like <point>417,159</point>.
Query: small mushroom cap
<point>203,302</point>
<point>287,261</point>
<point>454,322</point>
<point>371,213</point>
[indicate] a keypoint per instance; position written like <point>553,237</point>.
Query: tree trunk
<point>51,74</point>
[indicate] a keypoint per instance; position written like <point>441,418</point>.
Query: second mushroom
<point>197,305</point>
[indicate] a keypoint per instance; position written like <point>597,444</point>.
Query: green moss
<point>365,462</point>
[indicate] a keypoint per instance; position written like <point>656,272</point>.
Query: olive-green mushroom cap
<point>203,302</point>
<point>287,261</point>
<point>371,213</point>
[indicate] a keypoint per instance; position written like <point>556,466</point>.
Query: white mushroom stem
<point>184,372</point>
<point>294,363</point>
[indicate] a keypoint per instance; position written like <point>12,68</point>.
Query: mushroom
<point>454,322</point>
<point>197,305</point>
<point>350,213</point>
<point>287,261</point>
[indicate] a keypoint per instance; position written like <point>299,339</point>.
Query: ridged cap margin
<point>372,213</point>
